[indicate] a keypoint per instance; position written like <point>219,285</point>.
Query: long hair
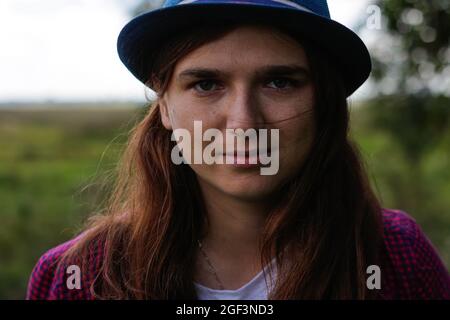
<point>325,230</point>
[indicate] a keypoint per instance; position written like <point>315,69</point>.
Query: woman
<point>312,229</point>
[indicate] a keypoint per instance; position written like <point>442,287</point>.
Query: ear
<point>164,111</point>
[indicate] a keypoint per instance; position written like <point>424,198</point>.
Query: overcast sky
<point>65,50</point>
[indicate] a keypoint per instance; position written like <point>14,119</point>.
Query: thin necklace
<point>210,265</point>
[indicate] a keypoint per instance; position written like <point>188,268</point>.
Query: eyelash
<point>292,83</point>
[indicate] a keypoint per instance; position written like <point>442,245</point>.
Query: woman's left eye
<point>281,83</point>
<point>205,86</point>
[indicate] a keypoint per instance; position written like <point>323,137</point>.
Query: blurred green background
<point>54,168</point>
<point>57,160</point>
<point>53,164</point>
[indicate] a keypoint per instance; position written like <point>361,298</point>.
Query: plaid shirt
<point>410,266</point>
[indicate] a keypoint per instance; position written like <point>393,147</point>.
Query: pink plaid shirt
<point>410,266</point>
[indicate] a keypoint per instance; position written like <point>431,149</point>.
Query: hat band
<point>285,2</point>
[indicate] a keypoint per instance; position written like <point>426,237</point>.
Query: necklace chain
<point>210,265</point>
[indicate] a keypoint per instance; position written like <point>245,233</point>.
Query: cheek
<point>298,128</point>
<point>183,113</point>
<point>281,111</point>
<point>296,139</point>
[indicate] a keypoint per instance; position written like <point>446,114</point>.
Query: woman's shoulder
<point>413,268</point>
<point>57,276</point>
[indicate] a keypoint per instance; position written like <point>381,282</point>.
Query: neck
<point>235,225</point>
<point>232,239</point>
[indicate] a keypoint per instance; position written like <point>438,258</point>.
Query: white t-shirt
<point>255,289</point>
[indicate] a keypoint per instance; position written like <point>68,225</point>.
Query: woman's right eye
<point>205,85</point>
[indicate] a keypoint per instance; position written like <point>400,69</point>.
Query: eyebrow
<point>266,71</point>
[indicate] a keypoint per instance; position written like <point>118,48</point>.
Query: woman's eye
<point>205,85</point>
<point>281,83</point>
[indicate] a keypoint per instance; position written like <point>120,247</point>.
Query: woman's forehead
<point>252,46</point>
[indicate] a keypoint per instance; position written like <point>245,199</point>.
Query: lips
<point>248,158</point>
<point>242,153</point>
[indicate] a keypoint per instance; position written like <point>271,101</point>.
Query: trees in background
<point>411,110</point>
<point>146,5</point>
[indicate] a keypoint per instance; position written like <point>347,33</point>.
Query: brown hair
<point>327,226</point>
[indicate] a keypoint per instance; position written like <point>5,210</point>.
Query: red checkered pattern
<point>410,266</point>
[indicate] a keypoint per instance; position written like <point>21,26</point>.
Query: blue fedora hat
<point>143,35</point>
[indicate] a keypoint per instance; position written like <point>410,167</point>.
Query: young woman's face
<point>253,77</point>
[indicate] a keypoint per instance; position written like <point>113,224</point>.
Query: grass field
<point>53,160</point>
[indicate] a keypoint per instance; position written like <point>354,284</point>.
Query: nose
<point>244,110</point>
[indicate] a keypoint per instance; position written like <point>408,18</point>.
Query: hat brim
<point>143,35</point>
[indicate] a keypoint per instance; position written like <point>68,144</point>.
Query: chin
<point>248,185</point>
<point>251,189</point>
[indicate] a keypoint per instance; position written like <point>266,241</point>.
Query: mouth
<point>242,153</point>
<point>243,158</point>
